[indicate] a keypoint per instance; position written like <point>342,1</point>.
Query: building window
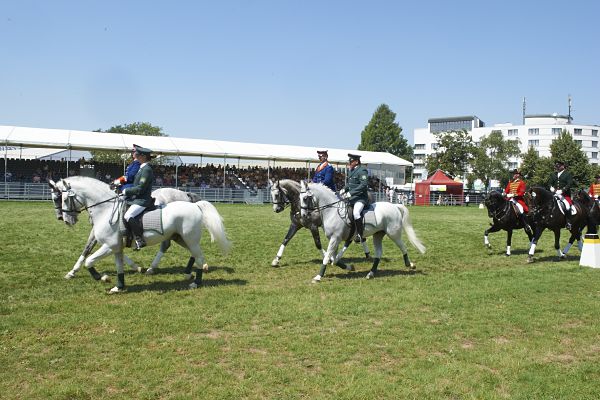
<point>434,146</point>
<point>594,132</point>
<point>556,131</point>
<point>534,143</point>
<point>512,165</point>
<point>513,132</point>
<point>578,131</point>
<point>420,146</point>
<point>594,143</point>
<point>594,154</point>
<point>534,131</point>
<point>579,142</point>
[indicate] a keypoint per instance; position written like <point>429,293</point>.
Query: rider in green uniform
<point>356,191</point>
<point>139,195</point>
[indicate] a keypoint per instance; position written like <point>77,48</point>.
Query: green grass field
<point>464,324</point>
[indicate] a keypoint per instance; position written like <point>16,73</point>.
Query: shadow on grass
<point>183,285</point>
<point>181,270</point>
<point>380,273</point>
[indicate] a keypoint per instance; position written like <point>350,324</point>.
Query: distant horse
<point>287,192</point>
<point>162,196</point>
<point>382,218</point>
<point>591,206</point>
<point>180,221</point>
<point>546,213</point>
<point>504,216</point>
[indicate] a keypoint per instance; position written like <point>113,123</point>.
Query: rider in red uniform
<point>594,191</point>
<point>514,192</point>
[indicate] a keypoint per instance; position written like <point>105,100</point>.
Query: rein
<point>74,199</point>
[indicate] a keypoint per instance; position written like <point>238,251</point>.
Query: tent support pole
<point>176,175</point>
<point>5,169</point>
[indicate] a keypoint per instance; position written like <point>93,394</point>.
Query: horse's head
<point>65,200</point>
<point>278,196</point>
<point>494,202</point>
<point>194,197</point>
<point>539,197</point>
<point>56,199</point>
<point>307,201</point>
<point>584,198</point>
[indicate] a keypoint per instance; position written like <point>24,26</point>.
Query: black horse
<point>546,213</point>
<point>592,207</point>
<point>504,217</point>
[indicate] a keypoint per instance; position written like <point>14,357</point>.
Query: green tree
<point>136,128</point>
<point>566,149</point>
<point>382,133</point>
<point>491,157</point>
<point>535,169</point>
<point>454,153</point>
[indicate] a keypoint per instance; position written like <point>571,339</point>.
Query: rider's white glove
<point>510,195</point>
<point>124,192</point>
<point>117,182</point>
<point>596,197</point>
<point>347,195</point>
<point>552,189</point>
<point>342,192</point>
<point>559,192</point>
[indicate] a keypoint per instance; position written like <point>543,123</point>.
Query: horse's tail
<point>408,228</point>
<point>214,223</point>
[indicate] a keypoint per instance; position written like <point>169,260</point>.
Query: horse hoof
<point>370,275</point>
<point>193,285</point>
<point>275,262</point>
<point>562,257</point>
<point>368,256</point>
<point>205,267</point>
<point>116,290</point>
<point>105,278</point>
<point>350,268</point>
<point>135,268</point>
<point>150,271</point>
<point>316,279</point>
<point>507,255</point>
<point>530,259</point>
<point>410,265</point>
<point>69,275</point>
<point>189,276</point>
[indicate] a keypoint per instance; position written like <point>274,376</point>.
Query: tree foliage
<point>136,128</point>
<point>491,157</point>
<point>535,169</point>
<point>454,153</point>
<point>567,150</point>
<point>382,133</point>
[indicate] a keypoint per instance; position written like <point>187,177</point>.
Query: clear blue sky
<point>293,72</point>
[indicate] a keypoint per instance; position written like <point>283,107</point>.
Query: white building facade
<point>538,132</point>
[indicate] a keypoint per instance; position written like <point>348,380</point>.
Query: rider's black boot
<point>128,235</point>
<point>568,218</point>
<point>360,230</point>
<point>138,232</point>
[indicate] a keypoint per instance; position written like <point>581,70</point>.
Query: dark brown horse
<point>546,213</point>
<point>504,217</point>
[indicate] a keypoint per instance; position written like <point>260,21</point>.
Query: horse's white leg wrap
<point>365,247</point>
<point>560,253</point>
<point>280,252</point>
<point>340,254</point>
<point>580,244</point>
<point>76,267</point>
<point>508,250</point>
<point>316,279</point>
<point>532,249</point>
<point>567,248</point>
<point>486,241</point>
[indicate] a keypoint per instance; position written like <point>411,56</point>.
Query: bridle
<point>308,198</point>
<point>282,199</point>
<point>73,204</point>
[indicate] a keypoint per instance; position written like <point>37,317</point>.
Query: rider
<point>356,191</point>
<point>126,180</point>
<point>560,183</point>
<point>594,191</point>
<point>514,193</point>
<point>139,196</point>
<point>324,172</point>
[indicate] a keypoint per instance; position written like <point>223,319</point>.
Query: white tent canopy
<point>172,146</point>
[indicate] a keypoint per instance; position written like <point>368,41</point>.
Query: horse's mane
<point>87,181</point>
<point>544,194</point>
<point>289,184</point>
<point>320,188</point>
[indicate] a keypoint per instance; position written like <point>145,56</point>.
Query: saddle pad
<point>370,216</point>
<point>152,221</point>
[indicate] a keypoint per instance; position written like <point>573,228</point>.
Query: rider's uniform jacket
<point>324,174</point>
<point>141,191</point>
<point>594,190</point>
<point>358,185</point>
<point>130,172</point>
<point>517,187</point>
<point>562,182</point>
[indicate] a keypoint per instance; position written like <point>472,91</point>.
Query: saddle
<point>367,215</point>
<point>150,219</point>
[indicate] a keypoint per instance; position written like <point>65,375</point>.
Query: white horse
<point>181,221</point>
<point>162,196</point>
<point>287,191</point>
<point>380,219</point>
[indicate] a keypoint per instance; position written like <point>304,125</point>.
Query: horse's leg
<point>509,233</point>
<point>331,250</point>
<point>164,246</point>
<point>99,254</point>
<point>290,234</point>
<point>569,244</point>
<point>378,246</point>
<point>397,238</point>
<point>559,252</point>
<point>486,240</point>
<point>365,247</point>
<point>89,246</point>
<point>120,274</point>
<point>199,261</point>
<point>536,236</point>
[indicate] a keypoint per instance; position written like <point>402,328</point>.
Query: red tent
<point>444,184</point>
